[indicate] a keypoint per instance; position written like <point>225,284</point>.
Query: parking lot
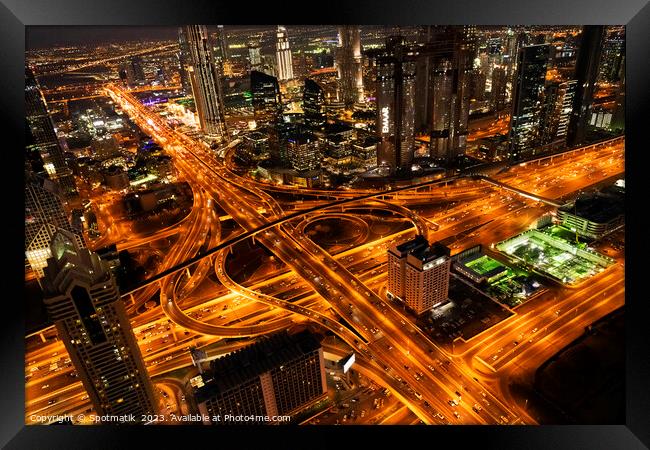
<point>468,313</point>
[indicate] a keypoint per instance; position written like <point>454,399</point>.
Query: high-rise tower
<point>44,216</point>
<point>183,56</point>
<point>222,40</point>
<point>206,86</point>
<point>283,54</point>
<point>349,65</point>
<point>42,141</point>
<point>313,104</point>
<point>527,100</point>
<point>254,56</point>
<point>585,75</point>
<point>82,299</point>
<point>395,91</point>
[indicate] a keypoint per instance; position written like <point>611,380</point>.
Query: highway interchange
<point>316,286</point>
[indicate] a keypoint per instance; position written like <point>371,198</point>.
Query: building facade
<point>279,375</point>
<point>42,142</point>
<point>586,75</point>
<point>44,216</point>
<point>313,104</point>
<point>525,121</point>
<point>304,151</point>
<point>349,65</point>
<point>427,277</point>
<point>397,265</point>
<point>82,299</point>
<point>254,56</point>
<point>204,74</point>
<point>267,101</point>
<point>283,55</point>
<point>395,92</point>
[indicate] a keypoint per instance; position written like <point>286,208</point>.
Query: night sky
<point>50,36</point>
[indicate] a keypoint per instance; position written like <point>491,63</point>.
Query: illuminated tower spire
<point>283,52</point>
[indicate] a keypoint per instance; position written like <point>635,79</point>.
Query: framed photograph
<point>362,221</point>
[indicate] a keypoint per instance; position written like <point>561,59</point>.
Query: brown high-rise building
<point>397,265</point>
<point>418,274</point>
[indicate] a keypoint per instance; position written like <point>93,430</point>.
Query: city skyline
<point>329,224</point>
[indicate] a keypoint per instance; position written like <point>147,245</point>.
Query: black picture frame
<point>15,15</point>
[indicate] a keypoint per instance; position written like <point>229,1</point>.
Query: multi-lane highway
<point>391,350</point>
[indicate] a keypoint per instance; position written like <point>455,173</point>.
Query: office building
<point>138,70</point>
<point>281,374</point>
<point>397,265</point>
<point>42,144</point>
<point>613,52</point>
<point>427,277</point>
<point>132,72</point>
<point>254,56</point>
<point>349,65</point>
<point>44,216</point>
<point>222,42</point>
<point>594,215</point>
<point>558,104</point>
<point>395,93</point>
<point>313,104</point>
<point>267,102</point>
<point>204,74</point>
<point>284,68</point>
<point>183,56</point>
<point>304,151</point>
<point>525,121</point>
<point>585,75</point>
<point>82,299</point>
<point>444,83</point>
<point>618,118</point>
<point>498,88</point>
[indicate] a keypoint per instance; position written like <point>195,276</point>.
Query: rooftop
<point>408,246</point>
<point>250,362</point>
<point>598,208</point>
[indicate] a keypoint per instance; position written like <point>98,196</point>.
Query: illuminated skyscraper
<point>313,104</point>
<point>349,65</point>
<point>279,375</point>
<point>82,299</point>
<point>42,141</point>
<point>445,77</point>
<point>585,75</point>
<point>525,121</point>
<point>222,41</point>
<point>304,151</point>
<point>44,216</point>
<point>418,273</point>
<point>283,54</point>
<point>183,56</point>
<point>498,89</point>
<point>254,56</point>
<point>267,102</point>
<point>442,113</point>
<point>206,86</point>
<point>395,91</point>
<point>612,55</point>
<point>558,104</point>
